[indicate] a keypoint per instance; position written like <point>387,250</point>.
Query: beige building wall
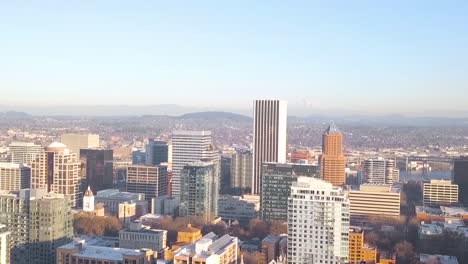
<point>440,192</point>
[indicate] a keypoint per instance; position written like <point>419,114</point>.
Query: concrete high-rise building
<point>157,152</point>
<point>460,177</point>
<point>374,200</point>
<point>98,168</point>
<point>4,245</point>
<point>23,152</point>
<point>380,170</point>
<point>38,223</point>
<point>199,192</point>
<point>440,192</point>
<point>14,176</point>
<point>269,137</point>
<point>57,170</point>
<point>188,147</point>
<point>320,210</point>
<point>150,180</point>
<point>277,179</point>
<point>332,160</point>
<point>241,170</point>
<point>75,142</point>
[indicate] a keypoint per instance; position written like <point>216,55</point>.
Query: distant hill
<point>14,114</point>
<point>216,115</point>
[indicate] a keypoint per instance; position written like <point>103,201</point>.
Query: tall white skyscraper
<point>188,147</point>
<point>380,170</point>
<point>269,136</point>
<point>318,222</point>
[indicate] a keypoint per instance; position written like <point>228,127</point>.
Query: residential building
<point>380,170</point>
<point>150,180</point>
<point>241,170</point>
<point>157,152</point>
<point>98,168</point>
<point>188,147</point>
<point>440,192</point>
<point>4,245</point>
<point>241,208</point>
<point>209,249</point>
<point>269,137</point>
<point>75,142</point>
<point>199,192</point>
<point>318,222</point>
<point>277,179</point>
<point>460,178</point>
<point>358,251</point>
<point>111,199</point>
<point>14,176</point>
<point>57,170</point>
<point>378,200</point>
<point>23,152</point>
<point>138,236</point>
<point>79,252</point>
<point>332,160</point>
<point>38,223</point>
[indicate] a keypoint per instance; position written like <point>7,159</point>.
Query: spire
<point>332,128</point>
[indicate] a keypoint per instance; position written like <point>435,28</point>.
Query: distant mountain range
<point>190,113</point>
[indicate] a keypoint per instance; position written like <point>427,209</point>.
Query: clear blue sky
<point>363,56</point>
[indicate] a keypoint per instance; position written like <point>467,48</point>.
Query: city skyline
<point>407,59</point>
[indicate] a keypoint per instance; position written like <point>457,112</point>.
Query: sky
<point>367,57</point>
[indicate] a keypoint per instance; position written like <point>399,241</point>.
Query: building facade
<point>157,152</point>
<point>111,199</point>
<point>23,152</point>
<point>4,245</point>
<point>377,200</point>
<point>150,180</point>
<point>277,179</point>
<point>242,209</point>
<point>75,142</point>
<point>269,137</point>
<point>241,170</point>
<point>199,192</point>
<point>318,222</point>
<point>380,170</point>
<point>332,160</point>
<point>460,178</point>
<point>14,176</point>
<point>138,236</point>
<point>98,168</point>
<point>38,223</point>
<point>57,170</point>
<point>440,192</point>
<point>188,147</point>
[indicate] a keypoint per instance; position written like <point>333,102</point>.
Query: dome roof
<point>88,192</point>
<point>56,145</point>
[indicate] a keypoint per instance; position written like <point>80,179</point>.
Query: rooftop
<point>208,245</point>
<point>453,211</point>
<point>118,195</point>
<point>98,252</point>
<point>440,259</point>
<point>332,128</point>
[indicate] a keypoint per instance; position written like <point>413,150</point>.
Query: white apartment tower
<point>318,222</point>
<point>380,171</point>
<point>269,136</point>
<point>57,170</point>
<point>188,147</point>
<point>23,152</point>
<point>14,176</point>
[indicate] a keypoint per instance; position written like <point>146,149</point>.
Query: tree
<point>88,224</point>
<point>405,252</point>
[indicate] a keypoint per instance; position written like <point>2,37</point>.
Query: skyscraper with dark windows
<point>332,160</point>
<point>157,152</point>
<point>269,136</point>
<point>460,177</point>
<point>97,168</point>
